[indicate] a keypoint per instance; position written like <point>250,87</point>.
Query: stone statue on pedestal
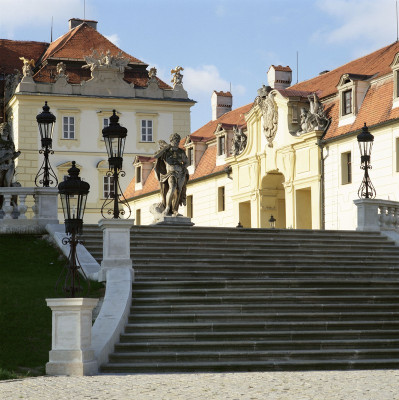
<point>171,171</point>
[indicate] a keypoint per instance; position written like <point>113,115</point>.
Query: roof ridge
<point>70,33</point>
<point>382,49</point>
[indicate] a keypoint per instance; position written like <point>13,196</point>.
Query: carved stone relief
<point>266,102</point>
<point>314,118</point>
<point>239,141</point>
<point>101,61</point>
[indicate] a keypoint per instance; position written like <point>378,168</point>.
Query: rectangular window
<point>346,166</point>
<point>347,102</point>
<point>105,122</point>
<point>138,174</point>
<point>397,154</point>
<point>221,199</point>
<point>109,187</point>
<point>190,206</point>
<point>68,128</point>
<point>138,217</point>
<point>221,147</point>
<point>146,130</point>
<point>190,156</point>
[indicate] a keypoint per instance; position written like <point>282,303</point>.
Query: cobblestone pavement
<point>342,385</point>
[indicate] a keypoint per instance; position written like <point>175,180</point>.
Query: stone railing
<point>14,215</point>
<point>377,215</point>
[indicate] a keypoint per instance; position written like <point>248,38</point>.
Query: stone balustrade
<point>377,215</point>
<point>15,216</point>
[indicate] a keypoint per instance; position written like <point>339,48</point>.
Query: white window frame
<point>108,186</point>
<point>68,128</point>
<point>147,130</point>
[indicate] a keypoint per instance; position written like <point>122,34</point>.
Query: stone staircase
<point>227,299</point>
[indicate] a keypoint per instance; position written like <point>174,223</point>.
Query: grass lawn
<point>29,268</point>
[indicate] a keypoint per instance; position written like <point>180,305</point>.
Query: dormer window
<point>138,174</point>
<point>221,145</point>
<point>190,156</point>
<point>352,89</point>
<point>347,102</point>
<point>395,70</point>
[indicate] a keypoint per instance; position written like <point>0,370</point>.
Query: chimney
<point>74,22</point>
<point>279,77</point>
<point>222,102</point>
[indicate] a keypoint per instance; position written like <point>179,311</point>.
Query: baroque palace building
<point>292,153</point>
<point>83,77</point>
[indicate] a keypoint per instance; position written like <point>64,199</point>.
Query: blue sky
<point>219,42</point>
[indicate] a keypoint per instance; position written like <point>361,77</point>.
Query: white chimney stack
<point>222,102</point>
<point>279,77</point>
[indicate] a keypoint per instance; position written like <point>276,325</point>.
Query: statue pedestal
<point>179,220</point>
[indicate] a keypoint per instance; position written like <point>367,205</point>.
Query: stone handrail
<point>14,217</point>
<point>377,215</point>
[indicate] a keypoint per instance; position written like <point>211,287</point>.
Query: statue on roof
<point>171,171</point>
<point>152,73</point>
<point>61,69</point>
<point>315,118</point>
<point>106,60</point>
<point>27,67</point>
<point>239,141</point>
<point>177,78</point>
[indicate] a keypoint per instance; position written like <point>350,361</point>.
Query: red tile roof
<point>377,63</point>
<point>11,50</point>
<point>376,108</point>
<point>235,117</point>
<point>80,42</point>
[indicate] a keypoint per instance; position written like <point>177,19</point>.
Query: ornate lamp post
<point>114,137</point>
<point>46,120</point>
<point>272,222</point>
<point>365,140</point>
<point>73,192</point>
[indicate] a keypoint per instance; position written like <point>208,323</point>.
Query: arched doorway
<point>273,200</point>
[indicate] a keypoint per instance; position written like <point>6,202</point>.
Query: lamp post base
<point>71,352</point>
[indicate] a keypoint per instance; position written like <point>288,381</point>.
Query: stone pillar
<point>116,245</point>
<point>46,203</point>
<point>367,215</point>
<point>71,352</point>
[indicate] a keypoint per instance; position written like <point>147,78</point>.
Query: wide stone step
<point>259,326</point>
<point>257,290</point>
<point>262,308</point>
<point>259,345</point>
<point>215,317</point>
<point>229,299</point>
<point>240,366</point>
<point>270,355</point>
<point>266,283</point>
<point>260,335</point>
<point>173,276</point>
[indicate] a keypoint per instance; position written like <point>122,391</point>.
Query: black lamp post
<point>73,192</point>
<point>114,137</point>
<point>272,222</point>
<point>365,140</point>
<point>46,120</point>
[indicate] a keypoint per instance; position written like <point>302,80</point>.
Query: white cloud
<point>206,79</point>
<point>18,14</point>
<point>114,38</point>
<point>369,20</point>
